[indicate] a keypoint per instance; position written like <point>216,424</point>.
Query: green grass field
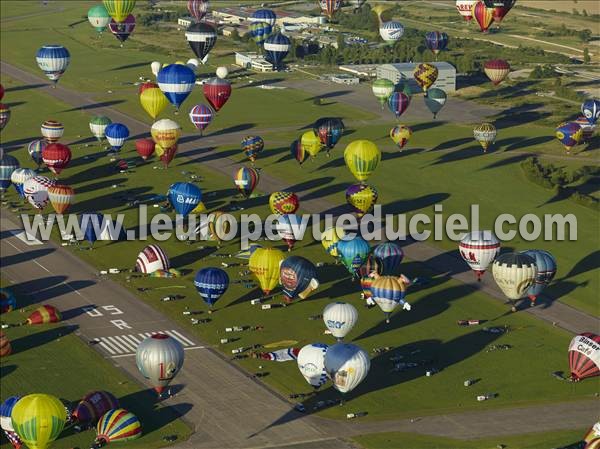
<point>52,359</point>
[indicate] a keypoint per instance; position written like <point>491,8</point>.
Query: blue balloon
<point>264,15</point>
<point>184,197</point>
<point>260,31</point>
<point>353,253</point>
<point>90,224</point>
<point>591,110</point>
<point>276,48</point>
<point>211,283</point>
<point>53,60</point>
<point>436,41</point>
<point>116,134</point>
<point>546,270</point>
<point>176,81</point>
<point>390,254</point>
<point>6,411</point>
<point>296,275</point>
<point>8,164</point>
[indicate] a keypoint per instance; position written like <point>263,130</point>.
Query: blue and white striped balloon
<point>53,60</point>
<point>391,31</point>
<point>116,134</point>
<point>176,81</point>
<point>546,270</point>
<point>211,283</point>
<point>276,48</point>
<point>264,15</point>
<point>591,110</point>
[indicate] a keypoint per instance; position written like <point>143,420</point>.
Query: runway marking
<point>126,345</point>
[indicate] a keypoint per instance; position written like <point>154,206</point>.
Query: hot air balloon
<point>198,8</point>
<point>425,75</point>
<point>61,197</point>
<point>35,149</point>
<point>485,134</point>
<point>330,7</point>
<point>479,249</point>
<point>8,301</point>
<point>347,366</point>
<point>400,135</point>
<point>18,178</point>
<point>152,258</point>
<point>117,425</point>
<point>340,318</point>
<point>398,102</point>
<point>288,227</point>
<point>584,356</point>
<point>298,152</point>
<point>435,99</point>
<point>465,8</point>
<point>98,124</point>
<point>390,255</point>
<point>500,8</point>
<point>56,156</point>
<point>202,38</point>
<point>53,60</point>
<point>362,197</point>
<point>176,81</point>
<point>217,91</point>
<point>8,164</point>
<point>569,134</point>
<point>165,132</point>
<point>166,155</point>
<point>93,405</point>
<point>252,146</point>
<point>260,31</point>
<point>5,348</point>
<point>276,47</point>
<point>122,30</point>
<point>496,70</point>
<point>264,264</point>
<point>246,180</point>
<point>436,41</point>
<point>391,31</point>
<point>153,101</point>
<point>329,130</point>
<point>546,270</point>
<point>98,17</point>
<point>591,110</point>
<point>330,238</point>
<point>38,419</point>
<point>116,134</point>
<point>210,284</point>
<point>218,226</point>
<point>184,197</point>
<point>362,157</point>
<point>155,67</point>
<point>52,131</point>
<point>159,358</point>
<point>119,9</point>
<point>222,72</point>
<point>145,147</point>
<point>587,130</point>
<point>201,116</point>
<point>388,292</point>
<point>284,203</point>
<point>94,227</point>
<point>4,115</point>
<point>483,16</point>
<point>147,85</point>
<point>514,273</point>
<point>298,277</point>
<point>36,191</point>
<point>264,16</point>
<point>311,363</point>
<point>311,143</point>
<point>6,409</point>
<point>382,89</point>
<point>43,315</point>
<point>353,253</point>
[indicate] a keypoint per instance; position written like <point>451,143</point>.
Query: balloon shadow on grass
<point>232,129</point>
<point>307,185</point>
<point>505,161</point>
<point>35,340</point>
<point>450,144</point>
<point>6,370</point>
<point>101,104</point>
<point>130,66</point>
<point>191,257</point>
<point>24,87</point>
<point>109,201</point>
<point>405,206</point>
<point>525,143</point>
<point>459,155</point>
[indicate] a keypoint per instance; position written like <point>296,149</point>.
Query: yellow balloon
<point>264,264</point>
<point>362,157</point>
<point>165,133</point>
<point>329,239</point>
<point>38,419</point>
<point>153,101</point>
<point>119,9</point>
<point>311,143</point>
<point>199,208</point>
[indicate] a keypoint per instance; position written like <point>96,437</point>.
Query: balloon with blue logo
<point>116,134</point>
<point>91,225</point>
<point>176,81</point>
<point>353,253</point>
<point>8,164</point>
<point>53,60</point>
<point>591,110</point>
<point>311,363</point>
<point>298,277</point>
<point>276,46</point>
<point>211,283</point>
<point>340,318</point>
<point>390,255</point>
<point>184,197</point>
<point>546,270</point>
<point>18,178</point>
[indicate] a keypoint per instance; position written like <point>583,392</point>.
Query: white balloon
<point>479,249</point>
<point>155,67</point>
<point>193,64</point>
<point>222,72</point>
<point>347,365</point>
<point>391,31</point>
<point>340,318</point>
<point>311,363</point>
<point>159,358</point>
